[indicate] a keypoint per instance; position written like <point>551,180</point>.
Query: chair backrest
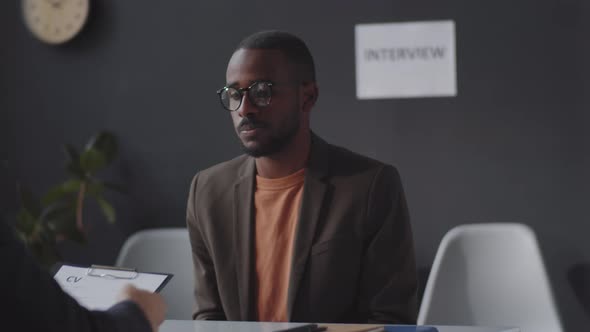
<point>166,250</point>
<point>490,275</point>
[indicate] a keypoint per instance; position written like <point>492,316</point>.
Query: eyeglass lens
<point>259,94</point>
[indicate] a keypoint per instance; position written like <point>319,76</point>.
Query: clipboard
<point>97,287</point>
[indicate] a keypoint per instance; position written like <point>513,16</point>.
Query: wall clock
<point>55,21</point>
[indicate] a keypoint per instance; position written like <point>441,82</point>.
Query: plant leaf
<point>71,153</point>
<point>92,160</point>
<point>106,143</point>
<point>73,166</point>
<point>107,209</point>
<point>59,214</point>
<point>94,188</point>
<point>53,195</point>
<point>28,201</point>
<point>25,222</point>
<point>71,185</point>
<point>74,234</point>
<point>65,225</point>
<point>61,219</point>
<point>58,192</point>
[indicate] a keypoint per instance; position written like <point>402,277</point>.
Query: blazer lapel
<point>314,191</point>
<point>244,239</point>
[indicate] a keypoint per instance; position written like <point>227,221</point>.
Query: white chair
<point>490,275</point>
<point>166,250</point>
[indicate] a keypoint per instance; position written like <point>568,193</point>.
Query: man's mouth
<point>250,133</point>
<point>249,126</point>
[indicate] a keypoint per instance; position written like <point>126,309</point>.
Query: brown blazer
<point>353,257</point>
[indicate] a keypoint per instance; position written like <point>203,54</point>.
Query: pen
<point>304,328</point>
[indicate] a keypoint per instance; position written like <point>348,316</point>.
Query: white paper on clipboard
<point>98,287</point>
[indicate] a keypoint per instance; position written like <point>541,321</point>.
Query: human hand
<point>152,304</point>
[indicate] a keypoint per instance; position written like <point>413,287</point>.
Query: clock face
<point>55,21</point>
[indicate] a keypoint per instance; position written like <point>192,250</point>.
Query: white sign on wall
<point>404,60</point>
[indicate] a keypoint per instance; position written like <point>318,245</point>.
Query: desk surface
<point>218,326</point>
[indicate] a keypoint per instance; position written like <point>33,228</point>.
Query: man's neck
<point>288,161</point>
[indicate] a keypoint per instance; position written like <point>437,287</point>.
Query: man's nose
<point>247,108</point>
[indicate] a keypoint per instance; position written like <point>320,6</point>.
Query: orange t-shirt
<point>277,203</point>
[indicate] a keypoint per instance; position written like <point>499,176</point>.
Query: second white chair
<point>165,250</point>
<point>490,275</point>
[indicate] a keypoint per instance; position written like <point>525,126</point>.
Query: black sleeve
<point>36,302</point>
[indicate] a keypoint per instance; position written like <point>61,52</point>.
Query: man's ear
<point>310,93</point>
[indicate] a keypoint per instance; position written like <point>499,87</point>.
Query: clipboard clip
<point>92,272</point>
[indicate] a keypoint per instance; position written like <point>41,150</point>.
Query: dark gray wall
<point>512,146</point>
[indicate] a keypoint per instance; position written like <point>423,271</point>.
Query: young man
<point>296,229</point>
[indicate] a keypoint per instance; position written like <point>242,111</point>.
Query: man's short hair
<point>290,45</point>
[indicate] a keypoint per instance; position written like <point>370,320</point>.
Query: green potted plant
<point>58,215</point>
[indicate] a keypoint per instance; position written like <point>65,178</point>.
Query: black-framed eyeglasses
<point>259,93</point>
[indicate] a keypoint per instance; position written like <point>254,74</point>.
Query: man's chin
<point>264,147</point>
<point>254,150</point>
<point>257,149</point>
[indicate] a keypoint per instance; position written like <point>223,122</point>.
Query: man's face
<point>264,131</point>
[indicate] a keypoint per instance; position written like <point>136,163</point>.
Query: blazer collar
<point>244,239</point>
<point>314,191</point>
